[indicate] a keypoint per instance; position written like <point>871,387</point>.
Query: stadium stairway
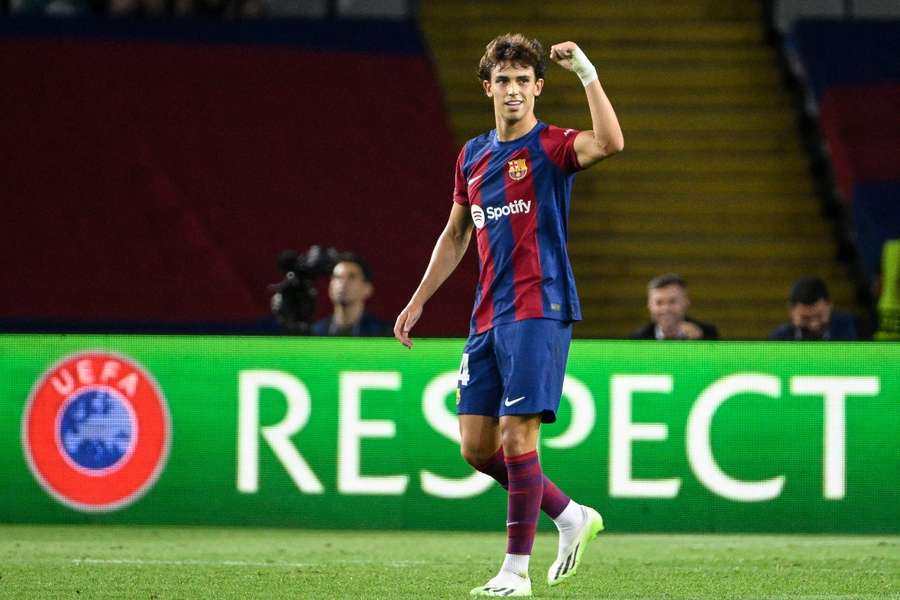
<point>713,183</point>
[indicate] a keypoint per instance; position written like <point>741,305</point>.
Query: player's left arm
<point>605,137</point>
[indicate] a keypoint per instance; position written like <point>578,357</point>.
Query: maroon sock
<point>526,484</point>
<point>553,501</point>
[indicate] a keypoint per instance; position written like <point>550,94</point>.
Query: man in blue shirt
<point>812,317</point>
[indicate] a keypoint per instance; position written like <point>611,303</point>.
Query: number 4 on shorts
<point>464,370</point>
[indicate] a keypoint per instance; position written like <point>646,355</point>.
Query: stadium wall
<point>153,170</point>
<point>348,433</point>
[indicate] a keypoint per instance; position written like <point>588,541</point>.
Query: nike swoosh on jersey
<point>474,179</point>
<point>509,402</point>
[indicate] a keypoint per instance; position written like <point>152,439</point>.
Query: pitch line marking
<point>241,563</point>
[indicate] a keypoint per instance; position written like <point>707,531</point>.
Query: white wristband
<point>583,67</point>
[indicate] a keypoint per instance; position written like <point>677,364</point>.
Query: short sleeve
<point>559,145</point>
<point>460,188</point>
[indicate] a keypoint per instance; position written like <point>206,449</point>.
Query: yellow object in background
<point>889,303</point>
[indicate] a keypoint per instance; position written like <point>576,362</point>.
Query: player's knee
<point>513,444</point>
<point>476,457</point>
<point>517,440</point>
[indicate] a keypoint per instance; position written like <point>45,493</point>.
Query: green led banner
<point>362,433</point>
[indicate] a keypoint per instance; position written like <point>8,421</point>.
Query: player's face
<point>813,318</point>
<point>513,89</point>
<point>348,285</point>
<point>668,304</point>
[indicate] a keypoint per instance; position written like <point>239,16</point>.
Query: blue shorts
<point>515,369</point>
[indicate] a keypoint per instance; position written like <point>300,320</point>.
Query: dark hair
<point>357,260</point>
<point>667,280</point>
<point>516,49</point>
<point>808,290</point>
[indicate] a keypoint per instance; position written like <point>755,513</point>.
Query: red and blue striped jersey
<point>518,194</point>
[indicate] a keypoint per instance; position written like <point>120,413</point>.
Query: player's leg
<point>480,391</point>
<point>491,460</point>
<point>518,435</point>
<point>537,369</point>
<point>478,403</point>
<point>532,357</point>
<point>479,440</point>
<point>514,350</point>
<point>576,524</point>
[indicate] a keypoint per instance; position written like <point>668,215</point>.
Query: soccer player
<point>512,188</point>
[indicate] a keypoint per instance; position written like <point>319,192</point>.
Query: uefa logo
<point>96,431</point>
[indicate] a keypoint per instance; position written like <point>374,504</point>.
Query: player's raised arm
<point>448,251</point>
<point>606,138</point>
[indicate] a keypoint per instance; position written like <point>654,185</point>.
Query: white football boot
<point>569,556</point>
<point>505,584</point>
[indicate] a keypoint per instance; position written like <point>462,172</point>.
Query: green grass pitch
<point>196,563</point>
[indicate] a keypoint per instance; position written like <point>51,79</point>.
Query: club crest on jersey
<point>518,169</point>
<point>96,431</point>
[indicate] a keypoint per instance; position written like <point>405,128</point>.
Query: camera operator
<point>349,288</point>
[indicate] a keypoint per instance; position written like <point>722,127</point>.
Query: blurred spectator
<point>227,9</point>
<point>349,288</point>
<point>57,8</point>
<point>812,317</point>
<point>138,8</point>
<point>668,302</point>
<point>152,9</point>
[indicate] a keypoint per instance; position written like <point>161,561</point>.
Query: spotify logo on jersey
<point>477,216</point>
<point>494,213</point>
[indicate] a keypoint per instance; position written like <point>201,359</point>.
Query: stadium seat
<point>876,214</point>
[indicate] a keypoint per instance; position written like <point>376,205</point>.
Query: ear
<point>486,84</point>
<point>368,291</point>
<point>538,86</point>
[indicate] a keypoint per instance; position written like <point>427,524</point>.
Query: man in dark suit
<point>668,302</point>
<point>812,317</point>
